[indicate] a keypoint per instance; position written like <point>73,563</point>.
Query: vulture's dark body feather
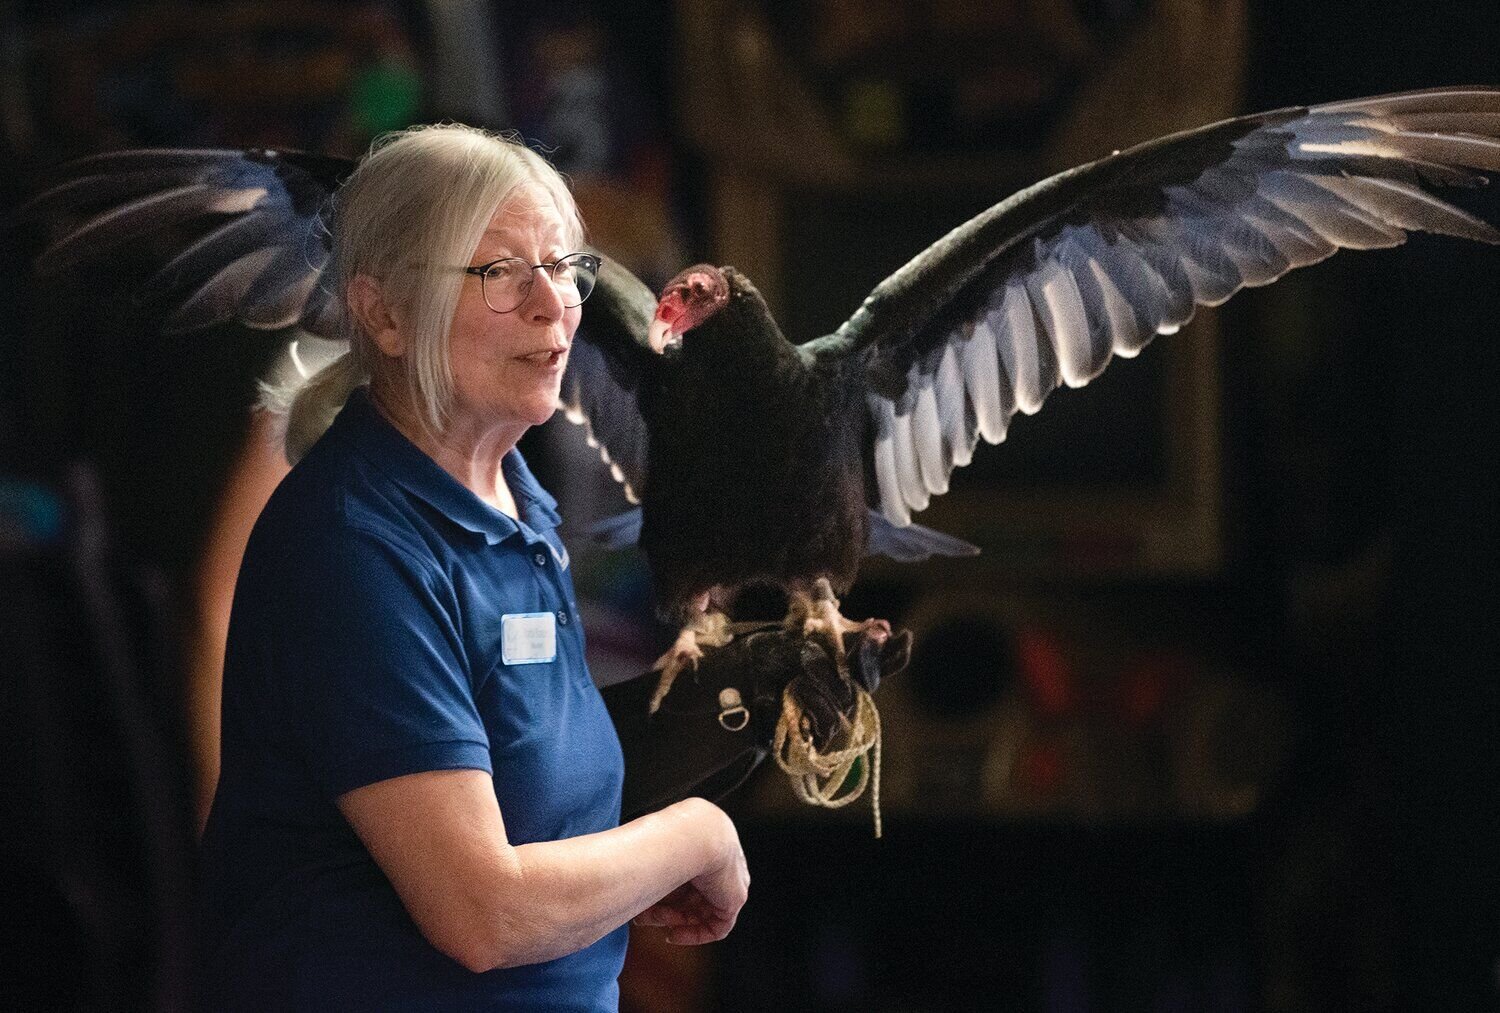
<point>749,437</point>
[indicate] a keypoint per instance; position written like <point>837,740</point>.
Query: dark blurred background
<point>1212,723</point>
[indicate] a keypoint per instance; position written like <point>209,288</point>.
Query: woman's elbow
<point>478,959</point>
<point>506,943</point>
<point>498,936</point>
<point>486,921</point>
<point>480,950</point>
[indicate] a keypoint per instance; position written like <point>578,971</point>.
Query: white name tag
<point>528,638</point>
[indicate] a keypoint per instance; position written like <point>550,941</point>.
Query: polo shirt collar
<point>390,451</point>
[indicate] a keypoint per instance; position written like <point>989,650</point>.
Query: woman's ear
<point>374,317</point>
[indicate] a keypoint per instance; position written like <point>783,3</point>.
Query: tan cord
<point>817,776</point>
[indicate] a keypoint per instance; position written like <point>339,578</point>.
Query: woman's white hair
<point>413,210</point>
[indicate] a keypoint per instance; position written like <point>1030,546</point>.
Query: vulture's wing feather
<point>255,248</point>
<point>609,356</point>
<point>1043,288</point>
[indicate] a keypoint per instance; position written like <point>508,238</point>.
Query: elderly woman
<point>420,790</point>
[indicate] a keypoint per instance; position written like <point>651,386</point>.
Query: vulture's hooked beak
<point>662,333</point>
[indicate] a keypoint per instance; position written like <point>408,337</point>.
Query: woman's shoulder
<point>332,503</point>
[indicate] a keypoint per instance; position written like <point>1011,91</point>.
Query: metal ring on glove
<point>733,715</point>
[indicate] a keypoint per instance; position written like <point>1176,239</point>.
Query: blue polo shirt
<point>366,642</point>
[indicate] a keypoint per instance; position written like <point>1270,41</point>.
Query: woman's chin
<point>531,406</point>
<point>537,411</point>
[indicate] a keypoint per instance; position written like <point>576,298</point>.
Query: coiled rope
<point>818,775</point>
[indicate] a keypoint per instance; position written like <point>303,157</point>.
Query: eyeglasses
<point>507,282</point>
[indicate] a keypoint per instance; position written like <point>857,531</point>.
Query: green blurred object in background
<point>387,95</point>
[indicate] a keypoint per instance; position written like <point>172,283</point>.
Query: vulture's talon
<point>710,629</point>
<point>818,613</point>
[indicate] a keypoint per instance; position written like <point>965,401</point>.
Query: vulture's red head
<point>689,299</point>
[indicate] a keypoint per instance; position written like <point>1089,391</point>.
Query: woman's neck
<point>471,453</point>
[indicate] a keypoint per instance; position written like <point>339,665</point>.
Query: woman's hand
<point>705,908</point>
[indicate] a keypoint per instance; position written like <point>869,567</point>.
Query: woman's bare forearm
<point>560,896</point>
<point>440,838</point>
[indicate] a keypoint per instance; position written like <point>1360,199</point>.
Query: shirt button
<point>562,616</point>
<point>540,558</point>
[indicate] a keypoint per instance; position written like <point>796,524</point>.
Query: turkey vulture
<point>758,460</point>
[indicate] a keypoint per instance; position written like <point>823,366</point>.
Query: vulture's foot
<point>819,613</point>
<point>709,629</point>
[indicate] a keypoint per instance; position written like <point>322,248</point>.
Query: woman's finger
<point>708,931</point>
<point>664,915</point>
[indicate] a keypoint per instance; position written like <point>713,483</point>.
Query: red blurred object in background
<point>1046,673</point>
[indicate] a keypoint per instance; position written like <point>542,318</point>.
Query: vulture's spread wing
<point>255,247</point>
<point>1043,288</point>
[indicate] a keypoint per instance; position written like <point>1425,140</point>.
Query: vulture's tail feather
<point>912,543</point>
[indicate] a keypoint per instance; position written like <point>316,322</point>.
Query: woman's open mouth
<point>545,360</point>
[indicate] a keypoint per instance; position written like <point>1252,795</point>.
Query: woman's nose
<point>546,301</point>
